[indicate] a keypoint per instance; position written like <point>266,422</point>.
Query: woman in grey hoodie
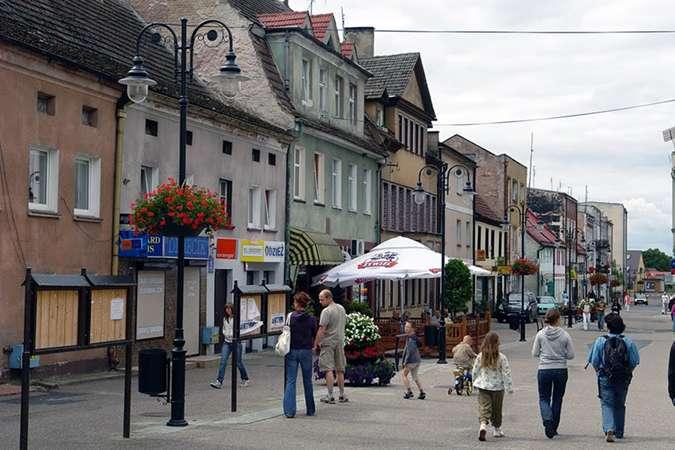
<point>553,347</point>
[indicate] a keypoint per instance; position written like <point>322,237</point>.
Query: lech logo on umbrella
<point>384,259</point>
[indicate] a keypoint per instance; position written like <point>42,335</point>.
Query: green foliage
<point>359,307</point>
<point>458,287</point>
<point>656,259</point>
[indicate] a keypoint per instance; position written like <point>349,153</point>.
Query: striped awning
<point>310,248</point>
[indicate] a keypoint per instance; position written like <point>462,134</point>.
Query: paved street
<point>89,415</point>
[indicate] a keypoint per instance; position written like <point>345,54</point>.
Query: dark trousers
<point>552,384</point>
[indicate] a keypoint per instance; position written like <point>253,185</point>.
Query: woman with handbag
<point>302,328</point>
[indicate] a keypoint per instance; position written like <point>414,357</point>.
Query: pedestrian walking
<point>614,357</point>
<point>627,300</point>
<point>330,344</point>
<point>586,312</point>
<point>411,362</point>
<point>671,374</point>
<point>553,347</point>
<point>228,348</point>
<point>616,306</point>
<point>491,376</point>
<point>664,303</point>
<point>303,331</point>
<point>672,316</point>
<point>600,307</point>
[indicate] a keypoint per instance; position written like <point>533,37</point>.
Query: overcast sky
<point>475,78</point>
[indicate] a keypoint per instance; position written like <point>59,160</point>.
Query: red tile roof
<point>347,49</point>
<point>482,209</point>
<point>320,23</point>
<point>540,233</point>
<point>284,20</point>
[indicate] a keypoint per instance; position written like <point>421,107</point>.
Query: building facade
<point>618,215</point>
<point>542,245</point>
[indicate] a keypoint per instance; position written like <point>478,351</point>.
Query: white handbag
<point>283,345</point>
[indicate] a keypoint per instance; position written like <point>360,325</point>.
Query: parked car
<point>546,302</point>
<point>641,299</point>
<point>512,307</point>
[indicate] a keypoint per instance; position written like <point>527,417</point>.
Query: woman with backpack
<point>614,356</point>
<point>553,347</point>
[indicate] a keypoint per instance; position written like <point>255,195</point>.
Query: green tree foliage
<point>359,307</point>
<point>656,259</point>
<point>458,287</point>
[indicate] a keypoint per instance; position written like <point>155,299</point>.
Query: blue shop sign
<point>145,246</point>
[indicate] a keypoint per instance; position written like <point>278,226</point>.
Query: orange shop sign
<point>226,248</point>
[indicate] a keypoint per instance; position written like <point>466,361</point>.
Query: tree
<point>458,287</point>
<point>656,259</point>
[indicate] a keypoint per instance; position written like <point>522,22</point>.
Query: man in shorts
<point>330,344</point>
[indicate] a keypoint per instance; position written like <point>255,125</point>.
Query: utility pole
<point>529,181</point>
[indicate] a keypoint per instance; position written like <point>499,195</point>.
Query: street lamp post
<point>522,211</point>
<point>442,175</point>
<point>138,82</point>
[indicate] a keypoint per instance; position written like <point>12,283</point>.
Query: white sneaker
<point>498,433</point>
<point>217,384</point>
<point>244,383</point>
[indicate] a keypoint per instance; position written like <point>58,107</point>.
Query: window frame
<point>458,232</point>
<point>49,103</point>
<point>339,97</point>
<point>89,116</point>
<point>323,91</point>
<point>154,177</point>
<point>299,178</point>
<point>367,189</point>
<point>319,171</point>
<point>306,79</point>
<point>353,184</point>
<point>52,184</point>
<point>353,93</point>
<point>94,187</point>
<point>336,183</point>
<point>254,218</point>
<point>269,210</point>
<point>226,200</point>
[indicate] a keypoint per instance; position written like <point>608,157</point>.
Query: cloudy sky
<point>620,156</point>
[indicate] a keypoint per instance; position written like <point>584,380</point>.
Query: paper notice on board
<point>117,309</point>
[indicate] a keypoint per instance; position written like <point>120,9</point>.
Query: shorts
<point>413,368</point>
<point>332,358</point>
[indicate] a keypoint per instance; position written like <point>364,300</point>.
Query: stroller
<point>463,381</point>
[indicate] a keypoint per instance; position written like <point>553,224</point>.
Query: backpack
<point>615,362</point>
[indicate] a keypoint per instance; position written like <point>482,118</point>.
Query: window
<point>367,191</point>
<point>492,244</point>
<point>151,127</point>
<point>188,137</point>
<point>405,132</point>
<point>339,97</point>
<point>87,186</point>
<point>227,147</point>
<point>323,90</point>
<point>400,128</point>
<point>89,116</point>
<point>225,194</point>
<point>468,234</point>
<point>336,183</point>
<point>45,103</point>
<point>379,119</point>
<point>148,179</point>
<point>319,178</point>
<point>254,207</point>
<point>43,179</point>
<point>352,183</point>
<point>270,209</point>
<point>352,104</point>
<point>250,277</point>
<point>271,159</point>
<point>479,235</point>
<point>255,155</point>
<point>514,191</point>
<point>299,173</point>
<point>306,82</point>
<point>268,276</point>
<point>459,233</point>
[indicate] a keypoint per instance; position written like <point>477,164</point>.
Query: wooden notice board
<point>56,318</point>
<point>108,315</point>
<point>276,312</point>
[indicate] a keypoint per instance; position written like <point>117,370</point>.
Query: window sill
<point>270,230</point>
<point>339,208</point>
<point>323,205</point>
<point>353,211</point>
<point>368,213</point>
<point>91,219</point>
<point>228,227</point>
<point>44,214</point>
<point>252,227</point>
<point>299,200</point>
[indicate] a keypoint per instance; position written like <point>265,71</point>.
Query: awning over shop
<point>309,248</point>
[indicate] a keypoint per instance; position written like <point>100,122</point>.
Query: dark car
<point>513,306</point>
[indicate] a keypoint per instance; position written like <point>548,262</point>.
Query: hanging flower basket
<point>173,210</point>
<point>598,278</point>
<point>524,266</point>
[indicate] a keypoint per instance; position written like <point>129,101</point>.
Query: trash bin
<point>514,322</point>
<point>152,365</point>
<point>430,335</point>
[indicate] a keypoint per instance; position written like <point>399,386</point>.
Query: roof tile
<point>252,8</point>
<point>320,24</point>
<point>392,73</point>
<point>284,19</point>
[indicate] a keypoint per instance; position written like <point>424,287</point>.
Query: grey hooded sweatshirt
<point>553,346</point>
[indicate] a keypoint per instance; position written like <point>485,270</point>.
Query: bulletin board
<point>56,318</point>
<point>108,315</point>
<point>150,305</point>
<point>276,312</point>
<point>250,315</point>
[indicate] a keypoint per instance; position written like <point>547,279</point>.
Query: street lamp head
<point>505,223</point>
<point>230,75</point>
<point>419,195</point>
<point>137,81</point>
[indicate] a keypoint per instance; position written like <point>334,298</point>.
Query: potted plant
<point>524,266</point>
<point>175,210</point>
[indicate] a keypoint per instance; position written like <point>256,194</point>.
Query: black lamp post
<point>138,82</point>
<point>521,210</point>
<point>442,176</point>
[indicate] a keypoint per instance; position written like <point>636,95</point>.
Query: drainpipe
<point>121,115</point>
<point>287,59</point>
<point>287,212</point>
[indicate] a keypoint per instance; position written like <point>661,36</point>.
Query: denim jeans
<point>552,384</point>
<point>613,404</point>
<point>601,321</point>
<point>225,355</point>
<point>302,358</point>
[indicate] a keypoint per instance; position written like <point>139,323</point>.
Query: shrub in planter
<point>175,210</point>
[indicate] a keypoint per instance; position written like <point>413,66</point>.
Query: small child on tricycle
<point>463,356</point>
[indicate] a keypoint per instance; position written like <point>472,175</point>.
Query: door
<point>191,310</point>
<point>222,281</point>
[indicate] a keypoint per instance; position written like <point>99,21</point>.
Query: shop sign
<point>503,270</point>
<point>262,251</point>
<point>145,246</point>
<point>226,248</point>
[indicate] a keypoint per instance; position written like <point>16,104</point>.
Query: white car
<point>641,299</point>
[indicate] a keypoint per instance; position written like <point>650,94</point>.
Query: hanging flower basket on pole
<point>173,210</point>
<point>524,266</point>
<point>598,278</point>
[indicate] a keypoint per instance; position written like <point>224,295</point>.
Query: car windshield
<point>546,300</point>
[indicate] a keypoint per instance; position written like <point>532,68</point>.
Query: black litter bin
<point>152,365</point>
<point>430,335</point>
<point>514,323</point>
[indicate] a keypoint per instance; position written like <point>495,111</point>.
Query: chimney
<point>432,142</point>
<point>363,39</point>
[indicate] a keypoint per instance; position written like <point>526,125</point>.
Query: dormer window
<point>352,104</point>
